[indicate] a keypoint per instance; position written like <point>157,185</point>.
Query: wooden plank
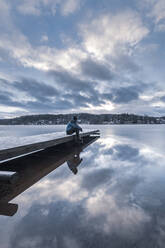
<point>97,132</point>
<point>8,176</point>
<point>8,209</point>
<point>21,150</point>
<point>35,166</point>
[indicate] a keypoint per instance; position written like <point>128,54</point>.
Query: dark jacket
<point>72,125</point>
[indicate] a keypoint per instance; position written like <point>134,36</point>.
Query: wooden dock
<point>30,148</point>
<point>32,167</point>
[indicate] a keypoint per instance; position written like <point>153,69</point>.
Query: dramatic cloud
<point>81,92</point>
<point>38,90</point>
<point>126,152</point>
<point>96,179</point>
<point>106,31</point>
<point>162,98</point>
<point>106,200</point>
<point>96,70</point>
<point>124,62</point>
<point>66,92</point>
<point>71,83</point>
<point>95,56</point>
<point>33,96</point>
<point>73,221</point>
<point>125,95</point>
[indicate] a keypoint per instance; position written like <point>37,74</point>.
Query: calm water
<point>117,198</point>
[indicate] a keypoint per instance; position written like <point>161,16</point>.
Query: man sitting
<point>73,127</point>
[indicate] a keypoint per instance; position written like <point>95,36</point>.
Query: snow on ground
<point>9,140</point>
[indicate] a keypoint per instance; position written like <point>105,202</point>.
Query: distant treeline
<point>84,118</point>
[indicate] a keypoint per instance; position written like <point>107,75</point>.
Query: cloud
<point>44,38</point>
<point>96,69</point>
<point>8,94</point>
<point>15,47</point>
<point>81,92</point>
<point>69,6</point>
<point>87,91</point>
<point>123,62</point>
<point>157,10</point>
<point>19,50</point>
<point>32,96</point>
<point>160,27</point>
<point>67,93</point>
<point>40,7</point>
<point>123,94</point>
<point>5,99</point>
<point>100,36</point>
<point>5,10</point>
<point>38,90</point>
<point>30,7</point>
<point>96,178</point>
<point>71,83</point>
<point>61,223</point>
<point>53,217</point>
<point>83,101</point>
<point>12,42</point>
<point>126,153</point>
<point>162,98</point>
<point>121,212</point>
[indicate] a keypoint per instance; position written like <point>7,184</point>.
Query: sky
<point>70,56</point>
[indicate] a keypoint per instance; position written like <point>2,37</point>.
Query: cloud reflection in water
<point>115,199</point>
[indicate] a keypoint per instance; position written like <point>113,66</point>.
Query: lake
<point>115,199</point>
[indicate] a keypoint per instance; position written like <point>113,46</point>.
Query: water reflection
<point>74,162</point>
<point>115,200</point>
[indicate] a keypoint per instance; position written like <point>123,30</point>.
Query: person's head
<point>75,118</point>
<point>74,170</point>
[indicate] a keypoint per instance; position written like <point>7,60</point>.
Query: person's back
<point>73,127</point>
